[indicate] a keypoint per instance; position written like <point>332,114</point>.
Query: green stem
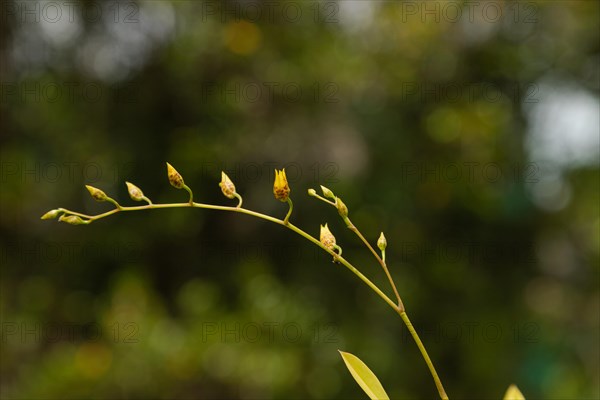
<point>415,335</point>
<point>287,217</point>
<point>186,187</point>
<point>381,261</point>
<point>323,199</point>
<point>239,198</point>
<point>113,202</point>
<point>398,308</point>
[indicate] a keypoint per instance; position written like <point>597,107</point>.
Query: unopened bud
<point>227,186</point>
<point>52,214</point>
<point>312,192</point>
<point>513,393</point>
<point>175,179</point>
<point>281,189</point>
<point>97,194</point>
<point>134,192</point>
<point>382,242</point>
<point>73,220</point>
<point>341,207</point>
<point>327,238</point>
<point>327,193</point>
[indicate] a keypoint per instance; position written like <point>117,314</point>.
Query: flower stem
<point>186,187</point>
<point>415,335</point>
<point>381,261</point>
<point>398,308</point>
<point>287,217</point>
<point>240,199</point>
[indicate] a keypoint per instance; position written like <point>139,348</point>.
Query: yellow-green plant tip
<point>175,179</point>
<point>326,237</point>
<point>513,393</point>
<point>227,186</point>
<point>281,189</point>
<point>382,242</point>
<point>51,214</point>
<point>73,220</point>
<point>96,193</point>
<point>134,192</point>
<point>327,193</point>
<point>312,192</point>
<point>341,207</point>
<point>366,379</point>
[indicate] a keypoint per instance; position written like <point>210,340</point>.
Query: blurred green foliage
<point>470,139</point>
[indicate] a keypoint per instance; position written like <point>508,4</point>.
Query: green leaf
<point>513,393</point>
<point>364,377</point>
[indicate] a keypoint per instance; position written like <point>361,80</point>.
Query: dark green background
<point>434,128</point>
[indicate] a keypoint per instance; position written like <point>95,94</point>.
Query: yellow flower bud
<point>327,193</point>
<point>227,186</point>
<point>312,192</point>
<point>281,189</point>
<point>381,242</point>
<point>175,179</point>
<point>341,207</point>
<point>327,238</point>
<point>97,194</point>
<point>134,192</point>
<point>513,393</point>
<point>52,214</point>
<point>73,220</point>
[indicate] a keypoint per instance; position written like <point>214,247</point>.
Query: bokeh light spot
<point>93,359</point>
<point>242,37</point>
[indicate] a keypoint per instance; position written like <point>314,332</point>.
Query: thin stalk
<point>240,199</point>
<point>415,335</point>
<point>289,213</point>
<point>186,187</point>
<point>354,229</point>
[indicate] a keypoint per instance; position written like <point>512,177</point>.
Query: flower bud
<point>52,214</point>
<point>227,186</point>
<point>175,179</point>
<point>341,207</point>
<point>312,192</point>
<point>97,194</point>
<point>327,238</point>
<point>134,192</point>
<point>381,242</point>
<point>513,393</point>
<point>281,189</point>
<point>73,220</point>
<point>327,193</point>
